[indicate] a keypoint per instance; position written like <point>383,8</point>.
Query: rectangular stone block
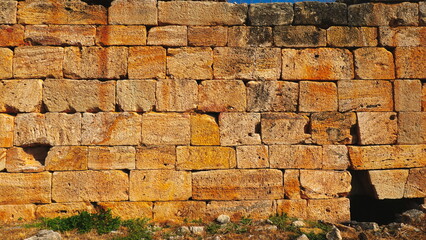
<point>206,157</point>
<point>381,14</point>
<point>295,156</point>
<point>317,96</point>
<point>268,14</point>
<point>211,36</point>
<point>412,128</point>
<point>299,36</point>
<point>160,185</point>
<point>66,158</point>
<point>156,157</point>
<point>317,64</point>
<point>178,211</point>
<point>7,124</point>
<point>424,97</point>
<point>377,127</point>
<point>422,13</point>
<point>410,62</point>
<point>173,36</point>
<point>388,184</point>
<point>8,11</point>
<point>247,63</point>
<point>324,184</point>
<point>284,128</point>
<point>403,36</point>
<point>17,213</point>
<point>352,36</point>
<point>247,36</point>
<point>6,65</point>
<point>374,63</point>
<point>407,95</point>
<point>2,158</point>
<point>166,129</point>
<point>121,35</point>
<point>255,156</point>
<point>292,207</point>
<point>21,95</point>
<point>333,128</point>
<point>319,13</point>
<point>221,96</point>
<point>292,184</point>
<point>22,188</point>
<point>11,35</point>
<point>239,129</point>
<point>335,157</point>
<point>365,95</point>
<point>129,210</point>
<point>111,128</point>
<point>25,160</point>
<point>133,12</point>
<point>38,62</point>
<point>60,35</point>
<point>119,157</point>
<point>416,183</point>
<point>272,96</point>
<point>204,130</point>
<point>176,95</point>
<point>237,210</point>
<point>78,95</point>
<point>54,210</point>
<point>201,13</point>
<point>237,184</point>
<point>147,62</point>
<point>190,63</point>
<point>90,186</point>
<point>330,210</point>
<point>136,95</point>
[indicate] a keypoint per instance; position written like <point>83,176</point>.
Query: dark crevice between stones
<point>39,152</point>
<point>105,3</point>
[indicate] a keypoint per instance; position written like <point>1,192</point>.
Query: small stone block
<point>25,160</point>
<point>410,62</point>
<point>131,12</point>
<point>352,36</point>
<point>412,128</point>
<point>66,158</point>
<point>389,184</point>
<point>333,128</point>
<point>8,11</point>
<point>416,183</point>
<point>2,158</point>
<point>178,211</point>
<point>408,95</point>
<point>204,130</point>
<point>11,35</point>
<point>317,96</point>
<point>374,63</point>
<point>212,36</point>
<point>381,14</point>
<point>172,36</point>
<point>60,35</point>
<point>38,62</point>
<point>166,129</point>
<point>268,14</point>
<point>247,36</point>
<point>335,157</point>
<point>317,184</point>
<point>221,96</point>
<point>121,35</point>
<point>156,157</point>
<point>7,124</point>
<point>136,95</point>
<point>292,184</point>
<point>21,95</point>
<point>295,156</point>
<point>6,65</point>
<point>239,129</point>
<point>422,13</point>
<point>292,207</point>
<point>320,13</point>
<point>299,36</point>
<point>377,127</point>
<point>403,36</point>
<point>272,96</point>
<point>17,213</point>
<point>176,95</point>
<point>205,157</point>
<point>147,62</point>
<point>190,63</point>
<point>255,156</point>
<point>284,128</point>
<point>119,157</point>
<point>330,210</point>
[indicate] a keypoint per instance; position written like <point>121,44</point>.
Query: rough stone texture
<point>129,210</point>
<point>267,14</point>
<point>214,36</point>
<point>17,213</point>
<point>22,188</point>
<point>330,210</point>
<point>121,35</point>
<point>284,128</point>
<point>8,12</point>
<point>11,35</point>
<point>237,210</point>
<point>408,95</point>
<point>90,186</point>
<point>204,130</point>
<point>237,184</point>
<point>239,129</point>
<point>374,63</point>
<point>388,184</point>
<point>324,184</point>
<point>403,36</point>
<point>352,36</point>
<point>322,14</point>
<point>147,62</point>
<point>333,128</point>
<point>381,14</point>
<point>78,96</point>
<point>205,157</point>
<point>221,96</point>
<point>201,13</point>
<point>178,211</point>
<point>166,129</point>
<point>119,157</point>
<point>274,96</point>
<point>365,95</point>
<point>38,62</point>
<point>317,64</point>
<point>299,36</point>
<point>62,209</point>
<point>416,183</point>
<point>111,128</point>
<point>64,158</point>
<point>176,95</point>
<point>293,208</point>
<point>6,64</point>
<point>410,62</point>
<point>422,13</point>
<point>190,63</point>
<point>255,156</point>
<point>295,156</point>
<point>59,35</point>
<point>377,127</point>
<point>247,63</point>
<point>424,97</point>
<point>317,96</point>
<point>160,185</point>
<point>2,158</point>
<point>292,184</point>
<point>163,157</point>
<point>133,12</point>
<point>412,128</point>
<point>21,95</point>
<point>136,95</point>
<point>335,157</point>
<point>247,36</point>
<point>173,36</point>
<point>24,160</point>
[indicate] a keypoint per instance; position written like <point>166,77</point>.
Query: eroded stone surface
<point>255,156</point>
<point>118,157</point>
<point>22,188</point>
<point>129,210</point>
<point>147,62</point>
<point>318,13</point>
<point>295,156</point>
<point>17,213</point>
<point>190,63</point>
<point>267,14</point>
<point>38,62</point>
<point>248,36</point>
<point>236,210</point>
<point>352,36</point>
<point>8,12</point>
<point>121,35</point>
<point>59,35</point>
<point>133,12</point>
<point>176,95</point>
<point>284,128</point>
<point>381,14</point>
<point>172,36</point>
<point>330,210</point>
<point>377,127</point>
<point>389,184</point>
<point>335,157</point>
<point>333,128</point>
<point>214,36</point>
<point>299,36</point>
<point>6,131</point>
<point>6,65</point>
<point>221,96</point>
<point>317,96</point>
<point>403,36</point>
<point>206,157</point>
<point>21,95</point>
<point>416,183</point>
<point>63,209</point>
<point>325,184</point>
<point>204,130</point>
<point>412,128</point>
<point>25,160</point>
<point>274,96</point>
<point>292,184</point>
<point>178,211</point>
<point>292,207</point>
<point>136,95</point>
<point>374,63</point>
<point>410,61</point>
<point>11,35</point>
<point>239,128</point>
<point>161,157</point>
<point>2,158</point>
<point>62,158</point>
<point>166,129</point>
<point>408,95</point>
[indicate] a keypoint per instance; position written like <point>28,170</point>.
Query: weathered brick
<point>38,62</point>
<point>422,13</point>
<point>60,12</point>
<point>21,188</point>
<point>221,96</point>
<point>190,62</point>
<point>136,95</point>
<point>292,184</point>
<point>410,62</point>
<point>255,156</point>
<point>166,129</point>
<point>21,95</point>
<point>63,209</point>
<point>365,95</point>
<point>201,13</point>
<point>237,184</point>
<point>408,95</point>
<point>255,209</point>
<point>59,35</point>
<point>388,184</point>
<point>239,129</point>
<point>416,183</point>
<point>246,36</point>
<point>377,127</point>
<point>317,96</point>
<point>8,11</point>
<point>267,14</point>
<point>11,35</point>
<point>25,160</point>
<point>121,35</point>
<point>412,128</point>
<point>119,157</point>
<point>247,63</point>
<point>6,65</point>
<point>214,36</point>
<point>329,210</point>
<point>387,156</point>
<point>204,130</point>
<point>317,64</point>
<point>380,14</point>
<point>318,13</point>
<point>2,158</point>
<point>178,211</point>
<point>333,128</point>
<point>403,36</point>
<point>293,208</point>
<point>284,128</point>
<point>156,157</point>
<point>299,36</point>
<point>78,95</point>
<point>129,210</point>
<point>176,95</point>
<point>133,12</point>
<point>90,186</point>
<point>274,96</point>
<point>173,36</point>
<point>147,62</point>
<point>17,213</point>
<point>352,36</point>
<point>335,157</point>
<point>205,157</point>
<point>295,156</point>
<point>111,128</point>
<point>324,184</point>
<point>374,63</point>
<point>95,62</point>
<point>65,158</point>
<point>160,185</point>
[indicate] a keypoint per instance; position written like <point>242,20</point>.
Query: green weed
<point>138,229</point>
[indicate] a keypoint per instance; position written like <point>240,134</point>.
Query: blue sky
<point>267,1</point>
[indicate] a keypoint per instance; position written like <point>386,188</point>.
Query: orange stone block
<point>292,185</point>
<point>11,35</point>
<point>239,129</point>
<point>22,188</point>
<point>416,183</point>
<point>166,129</point>
<point>317,97</point>
<point>38,62</point>
<point>173,36</point>
<point>6,65</point>
<point>295,156</point>
<point>54,210</point>
<point>408,95</point>
<point>129,210</point>
<point>255,156</point>
<point>118,157</point>
<point>293,207</point>
<point>64,158</point>
<point>17,213</point>
<point>60,35</point>
<point>377,127</point>
<point>190,63</point>
<point>25,160</point>
<point>222,96</point>
<point>178,211</point>
<point>156,157</point>
<point>205,157</point>
<point>410,62</point>
<point>317,184</point>
<point>330,210</point>
<point>333,128</point>
<point>412,128</point>
<point>147,62</point>
<point>212,36</point>
<point>121,35</point>
<point>204,130</point>
<point>284,128</point>
<point>6,131</point>
<point>176,95</point>
<point>374,63</point>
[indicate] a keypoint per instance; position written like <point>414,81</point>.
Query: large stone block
<point>178,211</point>
<point>214,36</point>
<point>133,12</point>
<point>176,95</point>
<point>156,157</point>
<point>204,130</point>
<point>267,14</point>
<point>255,156</point>
<point>410,62</point>
<point>403,36</point>
<point>333,128</point>
<point>299,36</point>
<point>121,35</point>
<point>21,188</point>
<point>25,159</point>
<point>205,157</point>
<point>295,156</point>
<point>166,129</point>
<point>190,63</point>
<point>129,210</point>
<point>118,157</point>
<point>237,210</point>
<point>237,184</point>
<point>330,210</point>
<point>352,36</point>
<point>388,184</point>
<point>38,62</point>
<point>292,207</point>
<point>412,128</point>
<point>160,185</point>
<point>11,35</point>
<point>136,95</point>
<point>324,184</point>
<point>248,36</point>
<point>335,157</point>
<point>17,213</point>
<point>8,11</point>
<point>147,62</point>
<point>65,158</point>
<point>416,183</point>
<point>90,186</point>
<point>172,36</point>
<point>60,35</point>
<point>6,66</point>
<point>318,13</point>
<point>21,95</point>
<point>317,96</point>
<point>222,96</point>
<point>292,184</point>
<point>407,95</point>
<point>317,64</point>
<point>54,210</point>
<point>374,63</point>
<point>272,96</point>
<point>239,129</point>
<point>284,128</point>
<point>381,14</point>
<point>377,127</point>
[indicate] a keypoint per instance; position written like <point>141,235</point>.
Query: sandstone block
<point>317,96</point>
<point>422,13</point>
<point>64,158</point>
<point>247,63</point>
<point>239,129</point>
<point>352,36</point>
<point>335,157</point>
<point>204,130</point>
<point>121,35</point>
<point>412,128</point>
<point>333,128</point>
<point>133,12</point>
<point>273,96</point>
<point>221,96</point>
<point>6,130</point>
<point>173,36</point>
<point>177,95</point>
<point>111,128</point>
<point>214,36</point>
<point>166,129</point>
<point>410,62</point>
<point>205,157</point>
<point>201,13</point>
<point>22,188</point>
<point>237,210</point>
<point>416,183</point>
<point>136,95</point>
<point>178,211</point>
<point>25,160</point>
<point>381,14</point>
<point>293,208</point>
<point>38,62</point>
<point>374,63</point>
<point>147,62</point>
<point>295,156</point>
<point>299,36</point>
<point>129,210</point>
<point>62,209</point>
<point>424,97</point>
<point>162,157</point>
<point>284,128</point>
<point>8,12</point>
<point>237,184</point>
<point>2,158</point>
<point>292,184</point>
<point>160,185</point>
<point>403,36</point>
<point>244,36</point>
<point>322,14</point>
<point>119,157</point>
<point>255,156</point>
<point>190,63</point>
<point>317,64</point>
<point>329,210</point>
<point>17,213</point>
<point>6,65</point>
<point>267,14</point>
<point>21,95</point>
<point>408,95</point>
<point>324,184</point>
<point>377,127</point>
<point>365,95</point>
<point>11,35</point>
<point>389,184</point>
<point>60,35</point>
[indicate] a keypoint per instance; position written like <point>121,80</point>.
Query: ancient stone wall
<point>185,110</point>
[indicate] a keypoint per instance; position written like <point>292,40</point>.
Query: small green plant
<point>213,228</point>
<point>138,229</point>
<point>197,221</point>
<point>283,222</point>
